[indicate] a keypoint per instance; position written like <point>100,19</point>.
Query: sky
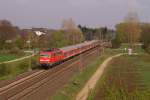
<point>92,13</point>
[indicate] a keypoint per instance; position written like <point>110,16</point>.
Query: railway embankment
<point>13,68</point>
<point>40,85</point>
<point>71,89</point>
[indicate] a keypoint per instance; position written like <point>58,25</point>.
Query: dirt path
<point>83,94</point>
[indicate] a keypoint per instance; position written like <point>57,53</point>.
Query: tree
<point>145,36</point>
<point>7,33</point>
<point>19,42</point>
<point>133,28</point>
<point>102,33</point>
<point>74,35</point>
<point>129,30</point>
<point>87,32</point>
<point>116,42</point>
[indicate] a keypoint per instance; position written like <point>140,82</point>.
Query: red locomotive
<point>53,56</point>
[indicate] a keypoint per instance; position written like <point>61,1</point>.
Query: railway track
<point>26,87</point>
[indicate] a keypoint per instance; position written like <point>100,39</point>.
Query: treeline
<point>132,31</point>
<point>13,39</point>
<point>102,33</point>
<point>145,36</point>
<point>127,33</point>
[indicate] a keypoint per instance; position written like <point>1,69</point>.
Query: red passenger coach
<point>53,56</point>
<point>70,51</point>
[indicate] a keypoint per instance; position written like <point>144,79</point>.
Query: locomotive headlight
<point>44,60</point>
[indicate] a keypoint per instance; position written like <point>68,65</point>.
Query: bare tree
<point>132,28</point>
<point>74,33</point>
<point>7,32</point>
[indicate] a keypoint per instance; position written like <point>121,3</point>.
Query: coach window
<point>59,53</point>
<point>65,54</point>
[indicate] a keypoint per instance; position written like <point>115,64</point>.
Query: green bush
<point>16,51</point>
<point>34,63</point>
<point>146,47</point>
<point>116,43</point>
<point>23,66</point>
<point>4,70</point>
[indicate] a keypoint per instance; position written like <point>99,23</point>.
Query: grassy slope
<point>70,90</point>
<point>131,81</point>
<point>7,57</point>
<point>11,70</point>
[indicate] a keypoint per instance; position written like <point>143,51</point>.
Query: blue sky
<point>50,13</point>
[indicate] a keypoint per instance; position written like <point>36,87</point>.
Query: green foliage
<point>64,38</point>
<point>69,91</point>
<point>77,82</point>
<point>145,36</point>
<point>116,43</point>
<point>58,40</point>
<point>121,32</point>
<point>7,57</point>
<point>34,62</point>
<point>23,66</point>
<point>13,69</point>
<point>14,52</point>
<point>129,32</point>
<point>19,42</point>
<point>7,32</point>
<point>96,33</point>
<point>131,81</point>
<point>4,70</point>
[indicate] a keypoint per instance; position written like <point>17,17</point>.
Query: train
<point>50,57</point>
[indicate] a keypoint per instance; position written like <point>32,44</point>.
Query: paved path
<point>83,94</point>
<point>19,59</point>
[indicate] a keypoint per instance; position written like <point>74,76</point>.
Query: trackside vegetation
<point>70,90</point>
<point>10,70</point>
<point>7,57</point>
<point>131,81</point>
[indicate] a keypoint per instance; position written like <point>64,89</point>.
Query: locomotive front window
<point>44,56</point>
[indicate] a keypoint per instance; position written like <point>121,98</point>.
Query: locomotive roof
<point>77,45</point>
<point>50,50</point>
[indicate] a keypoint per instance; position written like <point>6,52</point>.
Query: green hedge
<point>116,43</point>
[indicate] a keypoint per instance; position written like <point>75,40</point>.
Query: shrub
<point>34,63</point>
<point>16,51</point>
<point>146,47</point>
<point>4,70</point>
<point>23,66</point>
<point>116,43</point>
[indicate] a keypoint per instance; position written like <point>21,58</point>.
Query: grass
<point>131,81</point>
<point>70,90</point>
<point>7,57</point>
<point>11,70</point>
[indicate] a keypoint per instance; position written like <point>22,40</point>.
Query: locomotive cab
<point>44,59</point>
<point>50,57</point>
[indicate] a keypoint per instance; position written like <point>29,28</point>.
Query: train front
<point>44,59</point>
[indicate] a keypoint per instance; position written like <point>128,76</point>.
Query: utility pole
<point>39,33</point>
<point>29,43</point>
